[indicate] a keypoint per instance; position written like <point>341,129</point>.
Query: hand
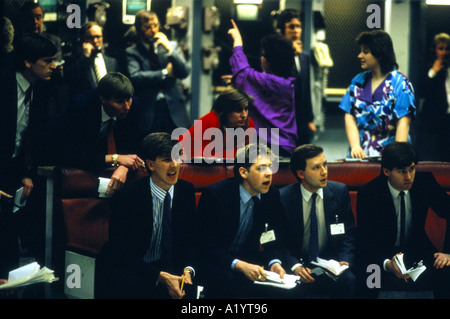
<point>27,184</point>
<point>392,267</point>
<point>132,161</point>
<point>438,64</point>
<point>342,263</point>
<point>277,268</point>
<point>251,271</point>
<point>235,34</point>
<point>161,38</point>
<point>357,152</point>
<point>88,48</point>
<point>312,127</point>
<point>227,79</point>
<point>118,179</point>
<point>441,260</point>
<point>169,69</point>
<point>2,193</point>
<point>304,273</point>
<point>298,46</point>
<point>173,284</point>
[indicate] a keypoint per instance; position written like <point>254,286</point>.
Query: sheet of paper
<point>17,204</point>
<point>103,186</point>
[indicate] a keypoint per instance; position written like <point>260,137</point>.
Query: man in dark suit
<point>100,129</point>
<point>144,258</point>
<point>290,25</point>
<point>155,66</point>
<point>319,223</point>
<point>86,68</point>
<point>382,234</point>
<point>234,214</point>
<point>20,106</point>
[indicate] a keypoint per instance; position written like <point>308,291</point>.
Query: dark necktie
<point>314,231</point>
<point>111,145</point>
<point>154,59</point>
<point>166,240</point>
<point>402,218</point>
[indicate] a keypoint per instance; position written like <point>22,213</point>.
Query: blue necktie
<point>166,240</point>
<point>314,231</point>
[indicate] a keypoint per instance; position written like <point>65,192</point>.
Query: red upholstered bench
<point>84,217</point>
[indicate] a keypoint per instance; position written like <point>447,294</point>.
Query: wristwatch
<point>114,158</point>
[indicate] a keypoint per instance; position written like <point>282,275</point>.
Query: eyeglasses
<point>294,26</point>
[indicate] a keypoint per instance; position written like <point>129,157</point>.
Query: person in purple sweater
<point>273,89</point>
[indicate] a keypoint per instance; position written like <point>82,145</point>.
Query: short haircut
<point>398,155</point>
<point>441,38</point>
<point>380,45</point>
<point>279,53</point>
<point>158,144</point>
<point>88,25</point>
<point>301,154</point>
<point>115,85</point>
<point>142,17</point>
<point>32,47</point>
<point>231,99</point>
<point>248,155</point>
<point>285,17</point>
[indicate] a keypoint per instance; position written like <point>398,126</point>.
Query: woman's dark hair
<point>231,99</point>
<point>115,85</point>
<point>380,45</point>
<point>398,155</point>
<point>279,54</point>
<point>301,154</point>
<point>32,47</point>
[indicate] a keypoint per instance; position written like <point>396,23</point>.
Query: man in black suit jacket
<point>84,127</point>
<point>20,107</point>
<point>135,263</point>
<point>85,69</point>
<point>335,222</point>
<point>234,213</point>
<point>380,235</point>
<point>290,25</point>
<point>155,66</point>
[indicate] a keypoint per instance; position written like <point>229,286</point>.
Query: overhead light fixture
<point>248,1</point>
<point>438,2</point>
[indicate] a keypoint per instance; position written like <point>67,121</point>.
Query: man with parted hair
<point>233,214</point>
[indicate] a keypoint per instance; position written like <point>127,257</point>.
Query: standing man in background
<point>155,65</point>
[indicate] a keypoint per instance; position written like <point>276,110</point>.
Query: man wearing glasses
<point>155,65</point>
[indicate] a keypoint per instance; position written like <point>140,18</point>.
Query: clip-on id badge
<point>267,236</point>
<point>337,228</point>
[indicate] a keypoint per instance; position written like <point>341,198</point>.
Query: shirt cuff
<point>431,73</point>
<point>191,270</point>
<point>233,264</point>
<point>384,264</point>
<point>274,261</point>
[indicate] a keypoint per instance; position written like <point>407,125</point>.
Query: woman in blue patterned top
<point>379,103</point>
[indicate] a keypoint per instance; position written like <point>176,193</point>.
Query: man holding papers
<point>150,253</point>
<point>319,223</point>
<point>388,227</point>
<point>239,237</point>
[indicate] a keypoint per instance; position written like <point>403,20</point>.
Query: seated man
<point>386,227</point>
<point>319,223</point>
<point>147,254</point>
<point>100,129</point>
<point>233,214</point>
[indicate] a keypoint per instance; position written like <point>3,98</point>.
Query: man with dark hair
<point>20,106</point>
<point>155,65</point>
<point>319,223</point>
<point>234,214</point>
<point>392,210</point>
<point>151,231</point>
<point>90,62</point>
<point>100,129</point>
<point>290,26</point>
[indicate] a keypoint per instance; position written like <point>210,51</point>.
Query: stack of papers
<point>413,272</point>
<point>27,275</point>
<point>332,267</point>
<point>273,279</point>
<point>103,187</point>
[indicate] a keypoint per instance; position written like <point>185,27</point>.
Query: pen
<point>182,282</point>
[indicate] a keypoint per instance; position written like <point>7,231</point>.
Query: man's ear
<point>300,174</point>
<point>243,172</point>
<point>27,64</point>
<point>386,172</point>
<point>149,164</point>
